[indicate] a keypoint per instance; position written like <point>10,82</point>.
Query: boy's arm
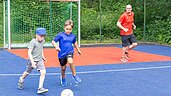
<point>31,58</point>
<point>56,46</point>
<point>78,49</point>
<point>43,56</point>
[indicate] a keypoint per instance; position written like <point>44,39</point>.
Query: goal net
<point>26,16</point>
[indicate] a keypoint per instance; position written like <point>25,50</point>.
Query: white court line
<point>100,71</point>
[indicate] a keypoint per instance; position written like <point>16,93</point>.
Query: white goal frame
<point>9,45</point>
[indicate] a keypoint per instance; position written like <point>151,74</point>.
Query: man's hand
<point>134,27</point>
<point>126,29</point>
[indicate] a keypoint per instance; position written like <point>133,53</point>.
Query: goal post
<point>20,25</point>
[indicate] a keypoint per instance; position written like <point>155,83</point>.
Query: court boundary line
<point>101,71</point>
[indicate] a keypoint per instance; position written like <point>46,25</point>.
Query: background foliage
<point>157,27</point>
<point>98,19</point>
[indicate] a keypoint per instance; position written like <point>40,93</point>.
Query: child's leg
<point>27,72</point>
<point>42,70</point>
<point>72,67</point>
<point>63,68</point>
<point>42,78</point>
<point>23,76</point>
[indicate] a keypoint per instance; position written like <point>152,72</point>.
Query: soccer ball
<point>67,92</point>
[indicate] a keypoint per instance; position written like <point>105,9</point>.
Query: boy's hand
<point>58,49</point>
<point>44,59</point>
<point>34,65</point>
<point>79,52</point>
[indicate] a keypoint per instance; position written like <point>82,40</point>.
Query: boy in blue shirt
<point>66,50</point>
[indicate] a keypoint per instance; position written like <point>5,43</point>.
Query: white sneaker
<point>20,84</point>
<point>42,90</point>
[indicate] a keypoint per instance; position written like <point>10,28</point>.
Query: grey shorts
<point>39,66</point>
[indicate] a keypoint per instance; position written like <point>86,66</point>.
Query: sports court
<point>148,72</point>
<point>103,74</point>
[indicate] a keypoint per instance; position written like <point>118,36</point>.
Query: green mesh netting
<point>28,15</point>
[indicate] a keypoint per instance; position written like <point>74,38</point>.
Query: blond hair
<point>69,22</point>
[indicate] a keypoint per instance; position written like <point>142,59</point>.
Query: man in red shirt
<point>126,24</point>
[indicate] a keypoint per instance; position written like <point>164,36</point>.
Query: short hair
<point>69,22</point>
<point>129,5</point>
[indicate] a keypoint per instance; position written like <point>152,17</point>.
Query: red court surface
<point>95,56</point>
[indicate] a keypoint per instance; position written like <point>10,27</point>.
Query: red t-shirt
<point>126,21</point>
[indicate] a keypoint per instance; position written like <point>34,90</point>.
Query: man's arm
<point>134,26</point>
<point>121,27</point>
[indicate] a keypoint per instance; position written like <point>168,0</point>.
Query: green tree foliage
<point>158,19</point>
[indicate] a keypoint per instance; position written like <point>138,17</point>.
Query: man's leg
<point>123,58</point>
<point>133,45</point>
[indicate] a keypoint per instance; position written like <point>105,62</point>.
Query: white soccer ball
<point>67,92</point>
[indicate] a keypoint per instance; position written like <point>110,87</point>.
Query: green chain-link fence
<point>28,15</point>
<point>1,24</point>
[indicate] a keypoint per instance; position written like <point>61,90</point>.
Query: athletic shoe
<point>42,90</point>
<point>63,81</point>
<point>20,84</point>
<point>123,59</point>
<point>127,55</point>
<point>77,79</point>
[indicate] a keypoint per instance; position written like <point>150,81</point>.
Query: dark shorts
<point>128,40</point>
<point>63,61</point>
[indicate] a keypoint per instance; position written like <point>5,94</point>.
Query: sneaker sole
<point>124,61</point>
<point>42,92</point>
<point>76,81</point>
<point>19,86</point>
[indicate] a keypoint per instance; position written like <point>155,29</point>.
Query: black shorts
<point>63,61</point>
<point>128,40</point>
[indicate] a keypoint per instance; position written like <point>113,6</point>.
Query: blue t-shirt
<point>65,43</point>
